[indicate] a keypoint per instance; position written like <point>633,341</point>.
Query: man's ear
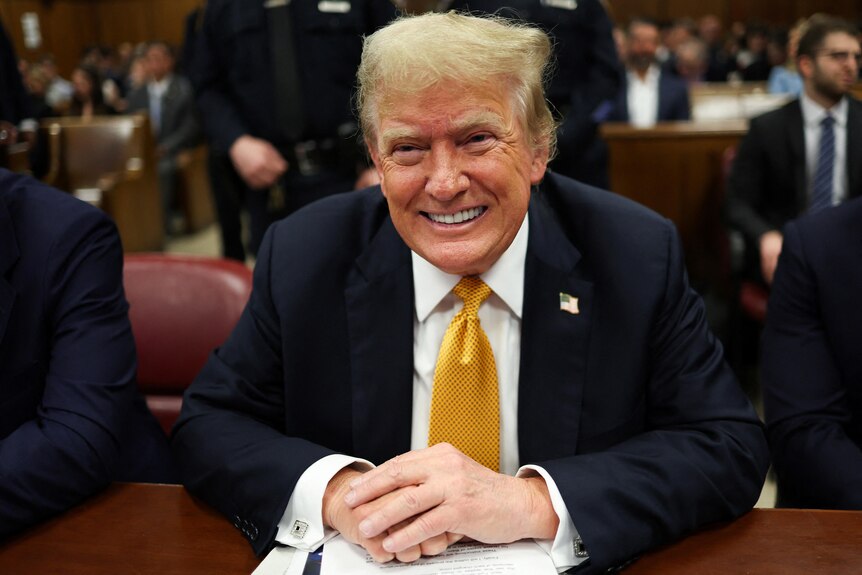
<point>371,146</point>
<point>806,66</point>
<point>539,164</point>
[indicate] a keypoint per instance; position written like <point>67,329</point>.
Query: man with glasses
<point>805,156</point>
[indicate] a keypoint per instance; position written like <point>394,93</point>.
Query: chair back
<point>181,308</point>
<point>109,161</point>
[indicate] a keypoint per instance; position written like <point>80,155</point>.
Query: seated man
<point>71,418</point>
<point>811,366</point>
<point>802,156</point>
<point>648,94</point>
<point>169,101</point>
<point>585,404</point>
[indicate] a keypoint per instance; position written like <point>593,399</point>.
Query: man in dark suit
<point>273,82</point>
<point>169,101</point>
<point>585,79</point>
<point>71,418</point>
<point>648,94</point>
<point>773,177</point>
<point>811,366</point>
<point>614,422</point>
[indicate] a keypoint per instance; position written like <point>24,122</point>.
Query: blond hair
<point>414,53</point>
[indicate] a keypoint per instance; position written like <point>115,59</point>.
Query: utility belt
<point>312,157</point>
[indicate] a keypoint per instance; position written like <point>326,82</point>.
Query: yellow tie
<point>465,404</point>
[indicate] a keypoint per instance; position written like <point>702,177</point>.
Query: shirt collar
<point>813,113</point>
<point>159,87</point>
<point>651,76</point>
<point>505,278</point>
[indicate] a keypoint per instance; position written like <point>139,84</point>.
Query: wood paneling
<point>125,21</point>
<point>70,25</point>
<point>674,168</point>
<point>677,8</point>
<point>169,19</point>
<point>67,26</point>
<point>624,10</point>
<point>769,11</point>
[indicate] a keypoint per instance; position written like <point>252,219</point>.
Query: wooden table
<point>161,529</point>
<point>132,528</point>
<point>765,542</point>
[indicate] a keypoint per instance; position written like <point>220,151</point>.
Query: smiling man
<point>519,354</point>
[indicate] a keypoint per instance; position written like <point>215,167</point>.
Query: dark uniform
<point>586,76</point>
<point>234,82</point>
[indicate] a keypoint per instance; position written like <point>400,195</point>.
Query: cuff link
<point>580,548</point>
<point>299,528</point>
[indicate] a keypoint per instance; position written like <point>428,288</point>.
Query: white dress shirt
<point>812,114</point>
<point>642,97</point>
<point>156,91</point>
<point>435,306</point>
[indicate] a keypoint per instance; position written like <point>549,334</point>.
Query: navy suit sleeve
<point>701,458</point>
<point>593,95</point>
<point>746,185</point>
<point>806,404</point>
<point>249,471</point>
<point>71,448</point>
<point>222,120</point>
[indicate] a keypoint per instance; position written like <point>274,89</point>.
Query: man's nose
<point>446,178</point>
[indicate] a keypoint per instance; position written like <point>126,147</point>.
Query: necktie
<point>156,112</point>
<point>821,194</point>
<point>465,403</point>
<point>285,69</point>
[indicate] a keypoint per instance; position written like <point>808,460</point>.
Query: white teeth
<point>457,217</point>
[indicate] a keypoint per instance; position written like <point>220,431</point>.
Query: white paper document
<point>340,557</point>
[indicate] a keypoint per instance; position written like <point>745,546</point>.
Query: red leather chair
<point>181,308</point>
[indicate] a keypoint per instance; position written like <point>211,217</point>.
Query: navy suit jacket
<point>673,102</point>
<point>812,365</point>
<point>629,404</point>
<point>767,186</point>
<point>71,419</point>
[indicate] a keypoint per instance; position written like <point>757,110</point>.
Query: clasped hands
<point>421,502</point>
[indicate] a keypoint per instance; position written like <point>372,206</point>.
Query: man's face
<point>642,45</point>
<point>456,166</point>
<point>159,62</point>
<point>833,70</point>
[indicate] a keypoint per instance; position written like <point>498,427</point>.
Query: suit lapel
<point>796,139</point>
<point>379,299</point>
<point>553,341</point>
<point>9,254</point>
<point>854,148</point>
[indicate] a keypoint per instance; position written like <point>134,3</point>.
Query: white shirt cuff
<point>566,549</point>
<point>301,526</point>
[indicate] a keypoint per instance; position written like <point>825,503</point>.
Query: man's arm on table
<point>70,449</point>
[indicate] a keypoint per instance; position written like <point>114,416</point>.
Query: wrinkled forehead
<point>389,99</point>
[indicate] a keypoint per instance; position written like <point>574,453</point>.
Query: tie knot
<point>827,121</point>
<point>473,291</point>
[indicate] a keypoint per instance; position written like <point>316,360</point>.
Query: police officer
<point>274,80</point>
<point>586,77</point>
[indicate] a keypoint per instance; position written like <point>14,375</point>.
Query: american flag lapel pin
<point>569,303</point>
